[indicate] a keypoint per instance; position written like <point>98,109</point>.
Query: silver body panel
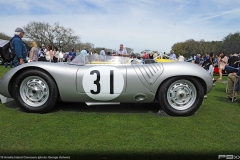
<point>140,81</point>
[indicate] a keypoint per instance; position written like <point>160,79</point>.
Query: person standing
<point>230,84</point>
<point>77,52</point>
<point>145,55</point>
<point>90,56</point>
<point>180,57</point>
<point>55,55</point>
<point>8,63</point>
<point>122,51</point>
<point>155,55</point>
<point>172,55</point>
<point>69,56</point>
<point>18,48</point>
<point>49,54</point>
<point>151,55</point>
<point>33,52</point>
<point>102,54</point>
<point>73,53</point>
<point>197,59</point>
<point>96,58</point>
<point>60,56</point>
<point>215,60</point>
<point>208,64</point>
<point>84,54</point>
<point>41,53</point>
<point>222,61</point>
<point>206,57</point>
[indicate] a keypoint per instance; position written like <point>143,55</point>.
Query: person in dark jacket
<point>19,48</point>
<point>232,60</point>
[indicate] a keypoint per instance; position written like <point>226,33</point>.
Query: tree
<point>4,36</point>
<point>181,48</point>
<point>98,49</point>
<point>87,46</point>
<point>129,50</point>
<point>192,47</point>
<point>231,43</point>
<point>56,35</point>
<point>146,50</point>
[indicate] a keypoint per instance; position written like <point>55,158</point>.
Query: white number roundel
<point>103,83</point>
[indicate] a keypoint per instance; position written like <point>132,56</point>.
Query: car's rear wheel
<point>181,96</point>
<point>35,91</point>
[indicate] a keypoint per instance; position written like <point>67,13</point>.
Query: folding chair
<point>227,88</point>
<point>234,85</point>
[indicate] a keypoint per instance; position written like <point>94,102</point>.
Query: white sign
<point>103,83</point>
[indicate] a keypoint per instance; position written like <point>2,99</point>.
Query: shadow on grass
<point>226,100</point>
<point>82,107</point>
<point>12,104</point>
<point>220,90</point>
<point>122,108</point>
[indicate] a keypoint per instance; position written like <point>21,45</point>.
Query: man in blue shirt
<point>172,56</point>
<point>74,54</point>
<point>19,48</point>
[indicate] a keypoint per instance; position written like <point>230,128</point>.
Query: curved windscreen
<point>99,59</point>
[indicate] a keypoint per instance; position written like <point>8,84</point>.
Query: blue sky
<point>138,24</point>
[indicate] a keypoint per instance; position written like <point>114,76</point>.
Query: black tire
<point>35,91</point>
<point>181,96</point>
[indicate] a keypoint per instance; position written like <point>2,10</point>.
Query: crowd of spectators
<point>230,64</point>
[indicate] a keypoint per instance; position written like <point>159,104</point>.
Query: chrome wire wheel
<point>181,94</point>
<point>34,91</point>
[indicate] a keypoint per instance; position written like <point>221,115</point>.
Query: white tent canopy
<point>3,42</point>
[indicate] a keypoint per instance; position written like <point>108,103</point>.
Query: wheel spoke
<point>181,94</point>
<point>34,91</point>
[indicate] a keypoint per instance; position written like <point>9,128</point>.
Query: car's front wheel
<point>35,91</point>
<point>181,96</point>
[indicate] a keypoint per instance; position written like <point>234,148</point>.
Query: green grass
<point>122,132</point>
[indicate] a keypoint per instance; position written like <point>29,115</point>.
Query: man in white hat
<point>18,47</point>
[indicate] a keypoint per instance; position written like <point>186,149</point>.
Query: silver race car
<point>178,87</point>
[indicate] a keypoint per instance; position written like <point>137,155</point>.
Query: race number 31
<point>103,83</point>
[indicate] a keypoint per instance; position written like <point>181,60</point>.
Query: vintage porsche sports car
<point>177,87</point>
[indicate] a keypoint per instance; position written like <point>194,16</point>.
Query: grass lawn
<point>122,132</point>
